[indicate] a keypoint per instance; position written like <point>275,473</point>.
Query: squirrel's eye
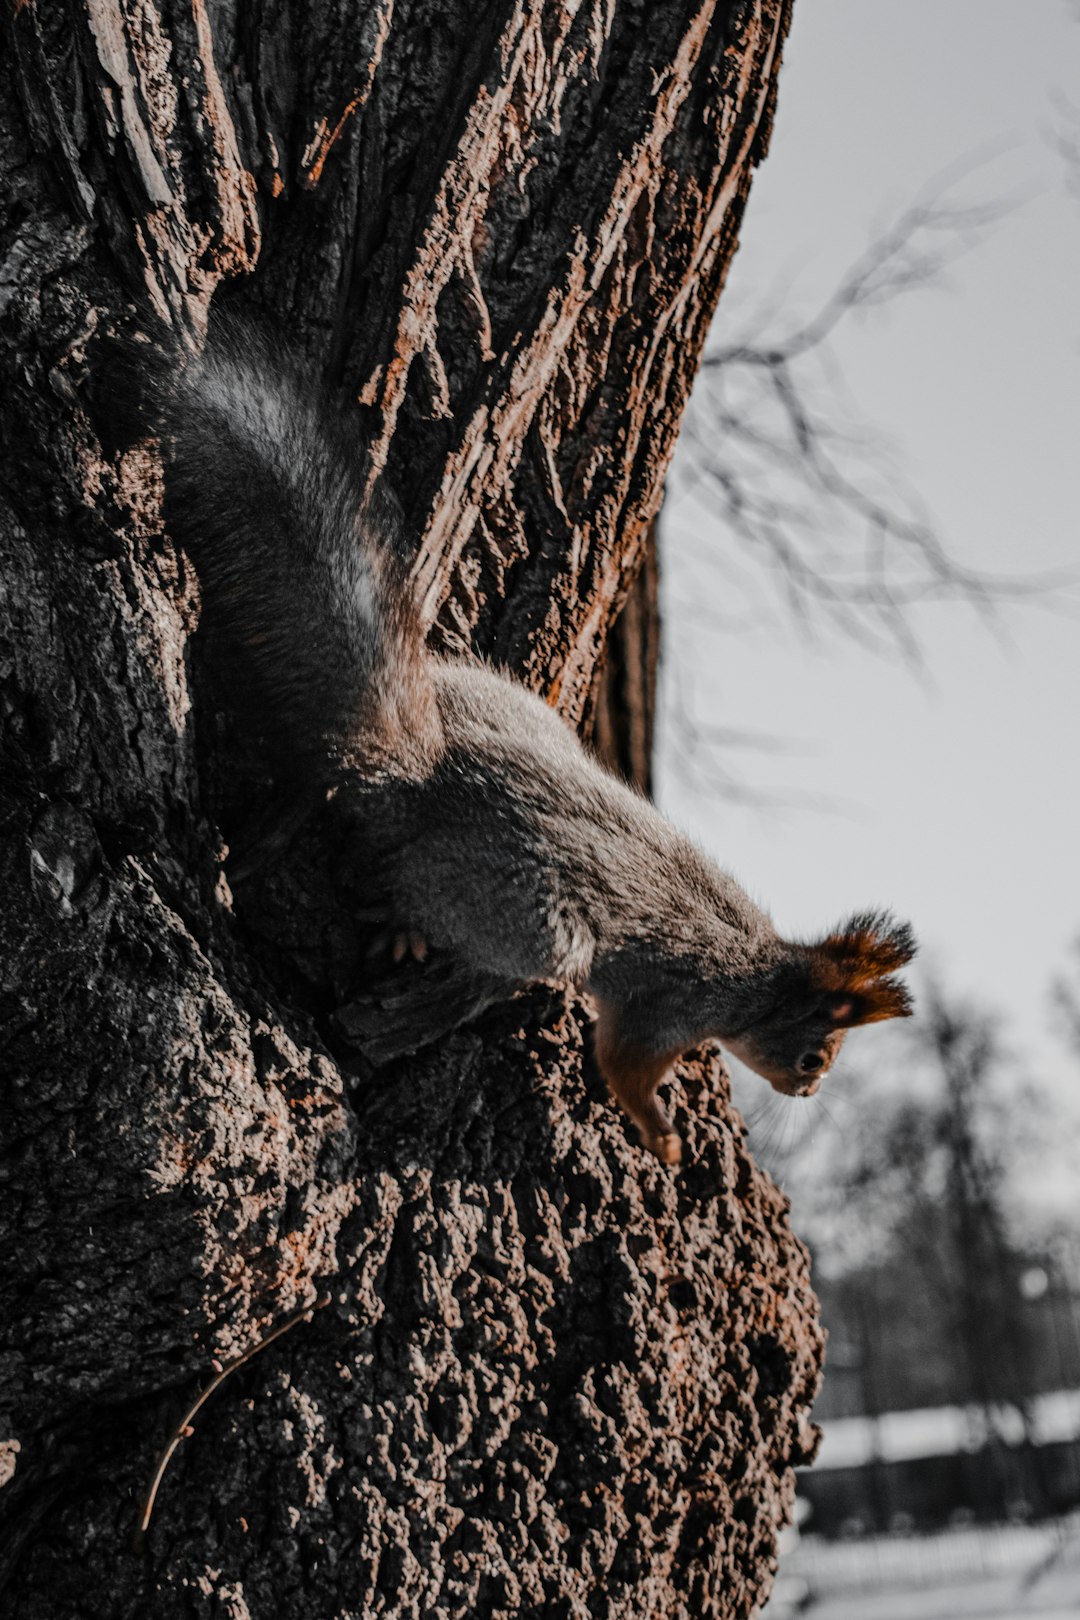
<point>811,1062</point>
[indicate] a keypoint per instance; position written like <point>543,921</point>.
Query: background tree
<point>525,1369</point>
<point>1066,994</point>
<point>937,1287</point>
<point>810,494</point>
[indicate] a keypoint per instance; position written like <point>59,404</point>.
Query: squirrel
<point>507,845</point>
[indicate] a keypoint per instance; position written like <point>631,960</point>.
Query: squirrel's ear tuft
<point>852,968</point>
<point>866,948</point>
<point>871,1005</point>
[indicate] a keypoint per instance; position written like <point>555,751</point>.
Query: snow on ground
<point>1009,1572</point>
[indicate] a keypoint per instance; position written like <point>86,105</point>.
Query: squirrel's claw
<point>398,944</point>
<point>668,1148</point>
<point>414,945</point>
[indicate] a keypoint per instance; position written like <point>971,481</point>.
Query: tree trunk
<point>624,718</point>
<point>527,1370</point>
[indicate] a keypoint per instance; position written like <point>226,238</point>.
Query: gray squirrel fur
<point>507,845</point>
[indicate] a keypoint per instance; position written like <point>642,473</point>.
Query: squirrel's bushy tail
<point>302,585</point>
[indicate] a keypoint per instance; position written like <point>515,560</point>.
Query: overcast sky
<point>964,800</point>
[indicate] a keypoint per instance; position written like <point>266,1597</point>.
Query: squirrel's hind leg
<point>633,1073</point>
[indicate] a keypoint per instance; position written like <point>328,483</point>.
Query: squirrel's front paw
<point>668,1148</point>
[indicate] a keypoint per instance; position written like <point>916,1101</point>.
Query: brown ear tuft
<point>866,948</point>
<point>887,998</point>
<point>852,967</point>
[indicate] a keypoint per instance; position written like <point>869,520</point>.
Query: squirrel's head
<point>823,990</point>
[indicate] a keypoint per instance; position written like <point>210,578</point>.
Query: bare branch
<point>821,506</point>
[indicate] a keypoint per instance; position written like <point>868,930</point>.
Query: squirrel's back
<point>302,582</point>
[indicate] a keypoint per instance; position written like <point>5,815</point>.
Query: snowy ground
<point>1010,1573</point>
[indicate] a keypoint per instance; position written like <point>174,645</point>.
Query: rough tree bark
<point>541,1373</point>
<point>624,707</point>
